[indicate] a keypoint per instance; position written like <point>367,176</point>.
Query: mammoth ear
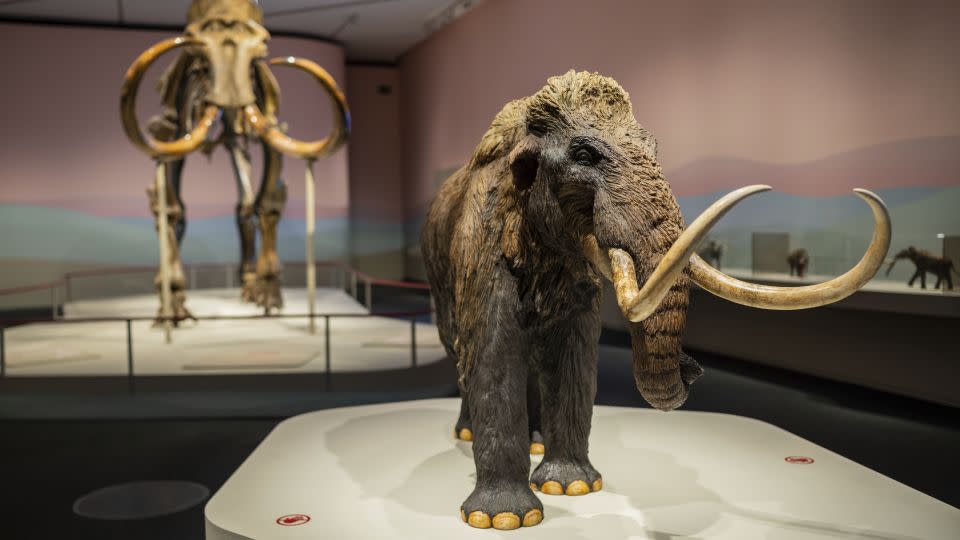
<point>524,167</point>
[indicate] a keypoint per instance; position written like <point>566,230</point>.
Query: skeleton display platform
<point>395,471</point>
<point>216,346</point>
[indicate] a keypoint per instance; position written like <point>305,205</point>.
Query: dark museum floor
<point>47,465</point>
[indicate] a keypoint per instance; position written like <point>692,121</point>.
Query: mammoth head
<point>230,35</point>
<point>229,39</point>
<point>588,184</point>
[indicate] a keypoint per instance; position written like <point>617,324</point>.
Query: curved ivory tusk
<point>128,108</point>
<point>767,297</point>
<point>638,304</point>
<point>283,143</point>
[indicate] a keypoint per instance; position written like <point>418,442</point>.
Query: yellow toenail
<point>506,521</point>
<point>578,487</point>
<point>552,488</point>
<point>533,486</point>
<point>463,517</point>
<point>536,448</point>
<point>598,484</point>
<point>465,435</point>
<point>479,520</point>
<point>532,518</point>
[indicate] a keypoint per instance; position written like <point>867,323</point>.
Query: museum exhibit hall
<point>435,269</point>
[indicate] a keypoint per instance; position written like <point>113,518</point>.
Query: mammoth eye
<point>584,155</point>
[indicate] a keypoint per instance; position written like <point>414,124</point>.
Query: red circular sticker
<point>798,460</point>
<point>293,520</point>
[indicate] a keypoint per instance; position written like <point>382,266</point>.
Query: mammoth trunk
<point>663,373</point>
<point>636,239</point>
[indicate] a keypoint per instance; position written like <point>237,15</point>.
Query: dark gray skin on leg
<point>497,400</point>
<point>518,292</point>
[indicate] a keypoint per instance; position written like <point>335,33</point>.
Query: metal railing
<point>340,275</point>
<point>128,323</point>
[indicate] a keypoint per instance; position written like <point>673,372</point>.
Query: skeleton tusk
<point>128,108</point>
<point>638,304</point>
<point>767,297</point>
<point>279,141</point>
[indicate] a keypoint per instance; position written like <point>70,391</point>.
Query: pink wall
<point>774,81</point>
<point>376,183</point>
<point>375,178</point>
<point>61,143</point>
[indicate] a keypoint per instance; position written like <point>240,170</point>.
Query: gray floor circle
<point>140,500</point>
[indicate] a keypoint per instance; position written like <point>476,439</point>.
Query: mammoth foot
<point>248,291</point>
<point>565,477</point>
<point>179,311</point>
<point>267,294</point>
<point>502,508</point>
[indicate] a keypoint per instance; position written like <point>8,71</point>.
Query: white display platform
<point>394,471</point>
<point>277,345</point>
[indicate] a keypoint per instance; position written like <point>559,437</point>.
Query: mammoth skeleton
<point>563,191</point>
<point>222,77</point>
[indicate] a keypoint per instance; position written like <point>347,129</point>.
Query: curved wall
<point>72,188</point>
<point>813,97</point>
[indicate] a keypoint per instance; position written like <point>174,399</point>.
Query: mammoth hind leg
<point>464,427</point>
<point>533,413</point>
<point>246,219</point>
<point>270,204</point>
<point>175,227</point>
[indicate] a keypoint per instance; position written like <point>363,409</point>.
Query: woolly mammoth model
<point>223,77</point>
<point>712,253</point>
<point>798,260</point>
<point>926,262</point>
<point>563,190</point>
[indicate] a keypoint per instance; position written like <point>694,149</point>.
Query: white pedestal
<point>395,471</point>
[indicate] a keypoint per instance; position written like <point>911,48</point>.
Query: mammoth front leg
<point>568,386</point>
<point>246,219</point>
<point>175,228</point>
<point>916,274</point>
<point>270,204</point>
<point>496,394</point>
<point>463,429</point>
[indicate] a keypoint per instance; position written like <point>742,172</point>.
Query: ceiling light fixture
<point>449,14</point>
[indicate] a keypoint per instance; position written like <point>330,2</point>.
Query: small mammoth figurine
<point>712,253</point>
<point>798,260</point>
<point>926,262</point>
<point>564,190</point>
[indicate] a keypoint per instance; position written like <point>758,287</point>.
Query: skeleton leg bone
<point>270,203</point>
<point>246,218</point>
<point>170,280</point>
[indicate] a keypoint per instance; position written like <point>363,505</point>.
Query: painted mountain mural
<point>918,178</point>
<point>813,201</point>
<point>924,162</point>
